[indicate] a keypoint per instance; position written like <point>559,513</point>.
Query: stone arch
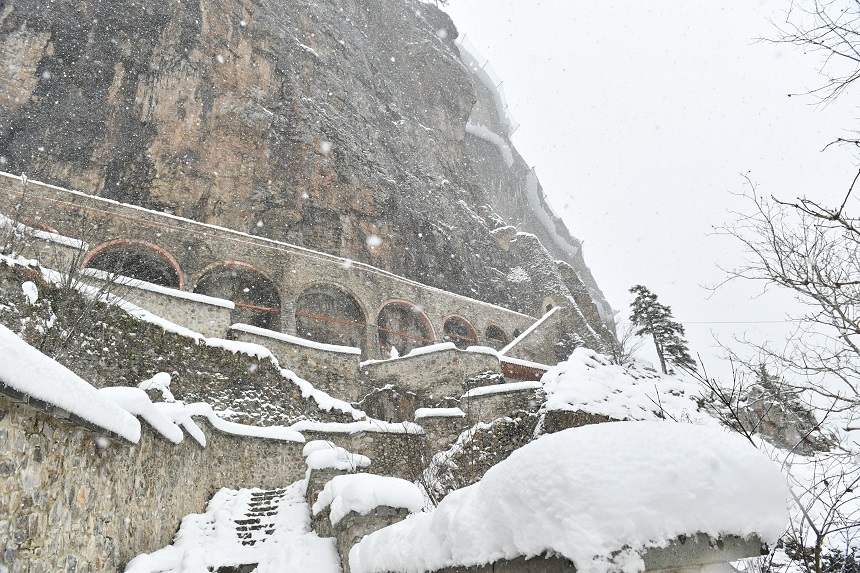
<point>252,291</point>
<point>138,260</point>
<point>404,326</point>
<point>460,331</point>
<point>329,313</point>
<point>36,224</point>
<point>496,337</point>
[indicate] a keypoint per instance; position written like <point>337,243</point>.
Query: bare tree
<point>71,297</point>
<point>814,251</point>
<point>823,534</point>
<point>830,29</point>
<point>626,344</point>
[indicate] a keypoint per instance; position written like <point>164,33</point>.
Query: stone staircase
<point>258,523</point>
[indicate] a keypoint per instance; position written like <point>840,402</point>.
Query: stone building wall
<point>209,318</point>
<point>73,501</point>
<point>442,431</point>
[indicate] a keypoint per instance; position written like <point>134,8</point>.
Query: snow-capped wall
<point>73,497</point>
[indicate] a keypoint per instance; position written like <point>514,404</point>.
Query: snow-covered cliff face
<point>321,123</point>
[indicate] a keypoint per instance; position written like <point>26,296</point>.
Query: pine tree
<point>651,317</point>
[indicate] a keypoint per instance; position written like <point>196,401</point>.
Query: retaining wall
<point>538,343</point>
<point>489,407</point>
<point>211,317</point>
<point>74,501</point>
<point>442,431</point>
<point>402,455</point>
<point>330,368</point>
<point>436,374</point>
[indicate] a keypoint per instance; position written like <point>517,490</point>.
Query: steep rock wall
<point>320,123</point>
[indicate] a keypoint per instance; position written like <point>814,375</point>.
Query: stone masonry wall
<point>489,407</point>
<point>438,374</point>
<point>442,431</point>
<point>70,501</point>
<point>210,320</point>
<point>539,345</point>
<point>292,269</point>
<point>400,455</point>
<point>332,372</point>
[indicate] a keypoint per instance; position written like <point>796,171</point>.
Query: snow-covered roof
<point>598,495</point>
<point>28,371</point>
<point>502,389</point>
<point>368,425</point>
<point>439,413</point>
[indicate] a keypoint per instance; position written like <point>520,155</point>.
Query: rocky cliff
<point>321,123</point>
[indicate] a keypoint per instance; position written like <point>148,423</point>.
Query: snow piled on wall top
<point>28,371</point>
<point>589,382</point>
<point>362,493</point>
<point>571,494</point>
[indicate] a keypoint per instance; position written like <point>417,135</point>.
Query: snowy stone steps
<point>257,522</point>
<point>230,537</point>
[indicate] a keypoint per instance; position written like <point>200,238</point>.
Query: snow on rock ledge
<point>598,495</point>
<point>589,382</point>
<point>362,493</point>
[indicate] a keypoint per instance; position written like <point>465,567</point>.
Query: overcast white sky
<point>640,117</point>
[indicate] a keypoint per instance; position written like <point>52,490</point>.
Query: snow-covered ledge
<point>207,315</point>
<point>360,504</point>
<point>333,368</point>
<point>626,496</point>
<point>30,377</point>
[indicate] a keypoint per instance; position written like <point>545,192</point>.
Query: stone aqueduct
<point>274,285</point>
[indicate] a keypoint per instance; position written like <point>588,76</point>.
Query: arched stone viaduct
<point>274,285</point>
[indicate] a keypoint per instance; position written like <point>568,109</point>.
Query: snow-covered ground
<point>235,530</point>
